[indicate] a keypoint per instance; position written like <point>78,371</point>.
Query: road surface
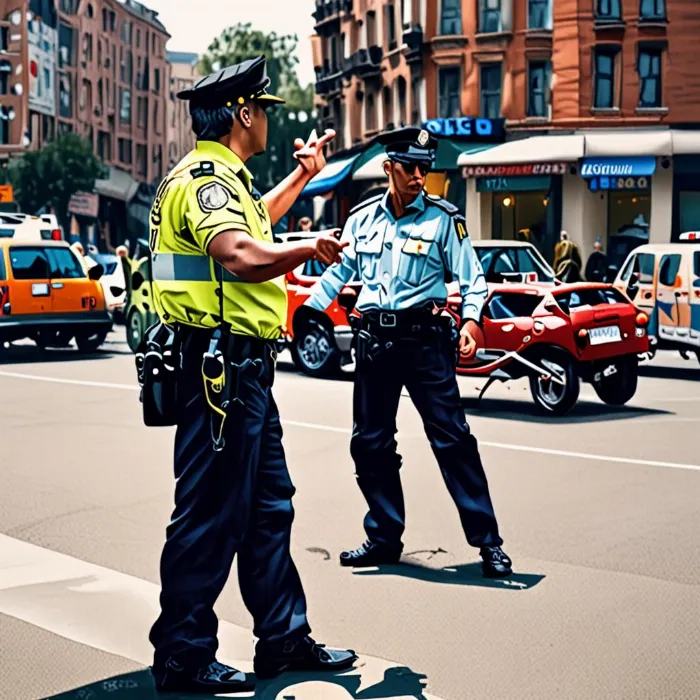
<point>599,511</point>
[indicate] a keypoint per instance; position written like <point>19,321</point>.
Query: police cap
<point>409,145</point>
<point>231,86</point>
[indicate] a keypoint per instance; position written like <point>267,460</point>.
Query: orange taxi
<point>47,296</point>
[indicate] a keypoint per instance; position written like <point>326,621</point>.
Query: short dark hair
<point>212,124</point>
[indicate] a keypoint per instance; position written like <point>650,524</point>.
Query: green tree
<point>53,175</point>
<point>287,122</point>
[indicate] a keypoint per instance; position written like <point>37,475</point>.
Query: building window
<point>538,98</point>
<point>490,16</point>
<point>388,103</point>
<point>141,160</point>
<point>105,20</point>
<point>4,125</point>
<point>138,38</point>
<point>390,10</point>
<point>491,90</point>
<point>451,17</point>
<point>604,87</point>
<point>65,44</point>
<point>125,151</point>
<point>417,85</point>
<point>652,10</point>
<point>449,103</point>
<point>371,28</point>
<point>649,67</point>
<point>403,107</point>
<point>65,98</point>
<point>539,14</point>
<point>608,11</point>
<point>89,11</point>
<point>156,80</point>
<point>126,32</point>
<point>5,75</point>
<point>370,113</point>
<point>125,106</point>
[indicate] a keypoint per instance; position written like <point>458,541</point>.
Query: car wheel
<point>314,350</point>
<point>619,385</point>
<point>134,330</point>
<point>52,339</point>
<point>90,342</point>
<point>556,397</point>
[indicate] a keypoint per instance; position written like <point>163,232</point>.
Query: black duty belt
<point>234,346</point>
<point>409,320</point>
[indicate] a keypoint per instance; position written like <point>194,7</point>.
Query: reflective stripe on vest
<point>175,267</point>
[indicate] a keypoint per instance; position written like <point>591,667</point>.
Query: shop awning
<point>535,149</point>
<point>118,185</point>
<point>685,142</point>
<point>330,177</point>
<point>631,143</point>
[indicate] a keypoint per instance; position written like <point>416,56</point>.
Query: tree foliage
<point>242,42</point>
<point>53,175</point>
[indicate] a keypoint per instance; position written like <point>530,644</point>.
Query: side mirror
<point>95,272</point>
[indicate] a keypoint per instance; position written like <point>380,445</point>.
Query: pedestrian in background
<point>404,246</point>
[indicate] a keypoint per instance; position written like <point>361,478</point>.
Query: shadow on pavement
<point>398,682</point>
<point>461,575</point>
<point>689,373</point>
<point>582,412</point>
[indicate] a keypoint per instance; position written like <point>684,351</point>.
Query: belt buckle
<point>387,320</point>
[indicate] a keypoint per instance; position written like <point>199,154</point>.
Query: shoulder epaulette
<point>443,204</point>
<point>366,203</point>
<point>204,168</point>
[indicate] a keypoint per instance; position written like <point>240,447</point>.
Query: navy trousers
<point>237,501</point>
<point>425,364</point>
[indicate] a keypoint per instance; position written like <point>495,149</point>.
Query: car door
<point>508,319</point>
<point>669,294</point>
<point>30,290</point>
<point>71,289</point>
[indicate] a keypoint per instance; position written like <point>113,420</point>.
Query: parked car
<point>113,284</point>
<point>23,227</point>
<point>664,281</point>
<point>46,295</point>
<point>557,337</point>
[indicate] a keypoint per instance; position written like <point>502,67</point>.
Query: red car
<point>320,341</point>
<point>558,336</point>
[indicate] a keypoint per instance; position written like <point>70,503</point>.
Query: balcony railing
<point>326,83</point>
<point>365,62</point>
<point>328,9</point>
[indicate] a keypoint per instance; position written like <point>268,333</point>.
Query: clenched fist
<point>328,247</point>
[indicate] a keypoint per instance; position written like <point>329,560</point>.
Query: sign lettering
<point>510,170</point>
<point>469,128</point>
<point>618,183</point>
<point>634,166</point>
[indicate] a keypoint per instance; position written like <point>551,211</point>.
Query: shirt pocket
<point>419,256</point>
<point>369,251</point>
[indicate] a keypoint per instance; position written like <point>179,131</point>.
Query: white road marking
<point>680,399</point>
<point>347,431</point>
<point>112,612</point>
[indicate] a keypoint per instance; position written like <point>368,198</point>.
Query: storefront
<point>686,195</point>
<point>515,190</point>
<point>627,185</point>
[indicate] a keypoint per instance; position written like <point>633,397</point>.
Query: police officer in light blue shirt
<point>405,246</point>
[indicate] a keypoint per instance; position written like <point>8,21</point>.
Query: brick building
<point>183,75</point>
<point>571,80</point>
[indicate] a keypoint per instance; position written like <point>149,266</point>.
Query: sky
<point>193,24</point>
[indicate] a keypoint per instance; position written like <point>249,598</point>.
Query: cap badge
<point>423,137</point>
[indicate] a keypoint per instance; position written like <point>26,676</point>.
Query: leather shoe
<point>206,680</point>
<point>495,563</point>
<point>272,658</point>
<point>370,554</point>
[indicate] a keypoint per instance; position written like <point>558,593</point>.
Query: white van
<point>24,227</point>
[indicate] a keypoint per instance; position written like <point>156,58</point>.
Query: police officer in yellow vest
<point>218,281</point>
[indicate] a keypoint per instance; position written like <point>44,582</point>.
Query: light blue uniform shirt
<point>407,262</point>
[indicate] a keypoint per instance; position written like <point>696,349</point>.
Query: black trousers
<point>425,364</point>
<point>237,501</point>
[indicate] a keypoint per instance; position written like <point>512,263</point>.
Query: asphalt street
<point>599,511</point>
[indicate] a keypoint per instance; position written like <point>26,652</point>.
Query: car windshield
<point>501,264</point>
<point>577,299</point>
<point>7,232</point>
<point>503,305</point>
<point>108,262</point>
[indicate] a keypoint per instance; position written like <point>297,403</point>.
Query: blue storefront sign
<point>633,173</point>
<point>524,183</point>
<point>468,128</point>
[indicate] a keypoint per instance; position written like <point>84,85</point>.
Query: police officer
<point>404,246</point>
<point>218,282</point>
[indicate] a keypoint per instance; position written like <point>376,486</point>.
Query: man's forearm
<point>279,199</point>
<point>258,261</point>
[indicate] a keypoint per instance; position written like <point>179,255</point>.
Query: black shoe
<point>496,563</point>
<point>370,554</point>
<point>207,680</point>
<point>271,658</point>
